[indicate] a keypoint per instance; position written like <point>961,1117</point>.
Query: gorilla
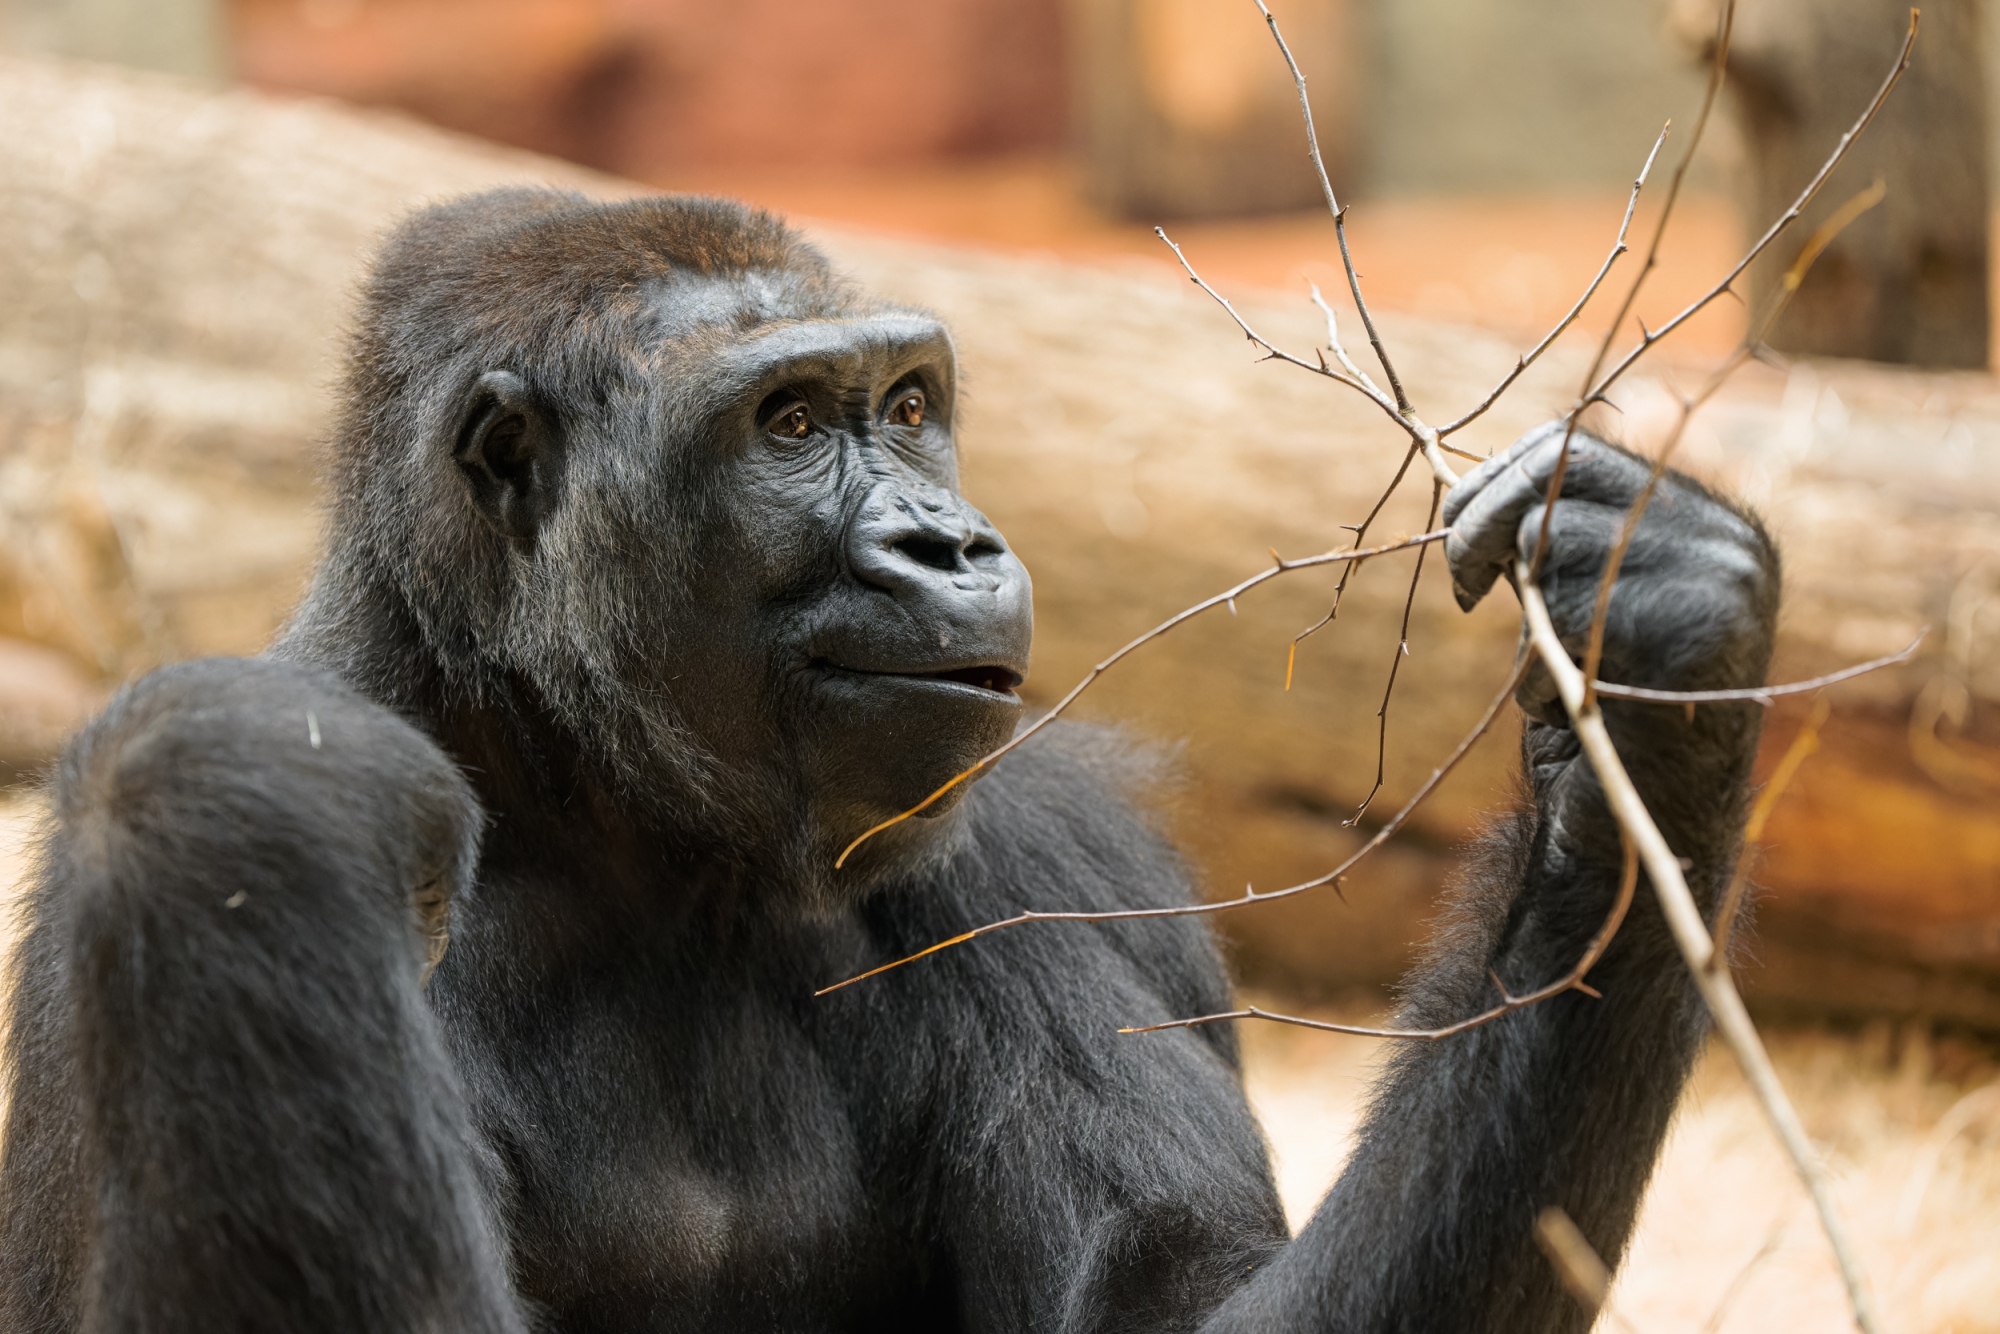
<point>451,966</point>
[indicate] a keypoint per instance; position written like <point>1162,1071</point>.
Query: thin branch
<point>1347,571</point>
<point>1249,895</point>
<point>1822,237</point>
<point>1333,207</point>
<point>1227,597</point>
<point>1570,981</point>
<point>1718,66</point>
<point>1796,754</point>
<point>1272,352</point>
<point>1691,934</point>
<point>1758,694</point>
<point>1528,358</point>
<point>1395,667</point>
<point>1771,234</point>
<point>1333,342</point>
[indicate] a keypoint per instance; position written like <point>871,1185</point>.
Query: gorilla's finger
<point>1475,481</point>
<point>1483,528</point>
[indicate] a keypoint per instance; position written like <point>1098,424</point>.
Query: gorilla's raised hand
<point>1564,1103</point>
<point>1696,593</point>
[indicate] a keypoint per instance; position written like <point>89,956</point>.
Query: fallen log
<point>170,313</point>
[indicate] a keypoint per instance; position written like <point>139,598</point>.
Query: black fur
<point>680,657</point>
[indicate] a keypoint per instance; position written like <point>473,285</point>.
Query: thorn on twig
<point>1590,991</point>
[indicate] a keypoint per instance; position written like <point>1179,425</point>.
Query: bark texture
<point>171,309</point>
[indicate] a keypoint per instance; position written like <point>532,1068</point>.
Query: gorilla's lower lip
<point>990,677</point>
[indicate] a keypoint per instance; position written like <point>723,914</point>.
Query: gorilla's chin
<point>887,741</point>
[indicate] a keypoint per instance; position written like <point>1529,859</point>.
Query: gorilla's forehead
<point>851,351</point>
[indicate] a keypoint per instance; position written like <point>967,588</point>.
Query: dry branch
<point>1703,955</point>
<point>1225,598</point>
<point>1249,895</point>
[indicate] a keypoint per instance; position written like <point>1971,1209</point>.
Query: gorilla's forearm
<point>1562,1104</point>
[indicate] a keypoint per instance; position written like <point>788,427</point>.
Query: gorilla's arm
<point>1564,1103</point>
<point>229,1107</point>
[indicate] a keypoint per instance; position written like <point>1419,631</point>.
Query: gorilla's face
<point>873,623</point>
<point>768,542</point>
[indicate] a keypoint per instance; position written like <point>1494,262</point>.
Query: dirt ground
<point>1727,1244</point>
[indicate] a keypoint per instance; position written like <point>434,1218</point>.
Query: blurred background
<point>189,190</point>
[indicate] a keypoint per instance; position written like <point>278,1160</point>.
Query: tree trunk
<point>1907,282</point>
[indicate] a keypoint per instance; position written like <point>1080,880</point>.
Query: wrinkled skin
<point>648,587</point>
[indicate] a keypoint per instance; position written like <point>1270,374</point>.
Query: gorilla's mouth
<point>999,680</point>
<point>990,677</point>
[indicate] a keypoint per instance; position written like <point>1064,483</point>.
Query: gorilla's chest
<point>672,1175</point>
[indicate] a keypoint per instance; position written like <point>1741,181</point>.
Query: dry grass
<point>1925,1208</point>
<point>1912,1121</point>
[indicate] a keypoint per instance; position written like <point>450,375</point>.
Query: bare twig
<point>1796,754</point>
<point>1691,934</point>
<point>1570,981</point>
<point>1396,666</point>
<point>1821,238</point>
<point>1226,597</point>
<point>1249,895</point>
<point>1333,207</point>
<point>1718,66</point>
<point>1790,215</point>
<point>1272,352</point>
<point>1758,694</point>
<point>1530,357</point>
<point>1347,571</point>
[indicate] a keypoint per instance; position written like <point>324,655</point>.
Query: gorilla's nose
<point>928,546</point>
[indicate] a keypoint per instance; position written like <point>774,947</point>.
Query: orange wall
<point>649,87</point>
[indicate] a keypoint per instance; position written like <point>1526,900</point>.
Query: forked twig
<point>1785,220</point>
<point>1333,207</point>
<point>1764,695</point>
<point>1697,946</point>
<point>1395,668</point>
<point>1570,981</point>
<point>1347,571</point>
<point>1227,597</point>
<point>1272,352</point>
<point>1796,754</point>
<point>1530,357</point>
<point>1815,245</point>
<point>1249,895</point>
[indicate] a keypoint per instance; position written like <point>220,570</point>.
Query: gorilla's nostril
<point>929,549</point>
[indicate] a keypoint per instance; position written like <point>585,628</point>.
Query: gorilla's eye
<point>793,422</point>
<point>906,408</point>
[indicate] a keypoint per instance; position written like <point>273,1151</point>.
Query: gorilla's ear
<point>509,450</point>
